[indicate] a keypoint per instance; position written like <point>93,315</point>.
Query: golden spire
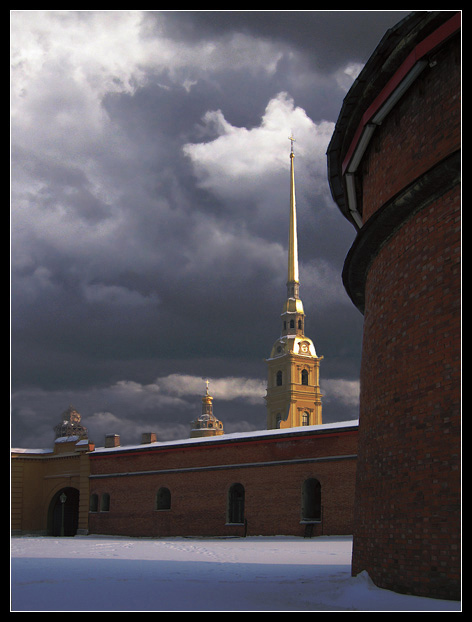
<point>293,316</point>
<point>207,398</point>
<point>292,281</point>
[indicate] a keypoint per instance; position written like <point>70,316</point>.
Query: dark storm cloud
<point>150,211</point>
<point>324,38</point>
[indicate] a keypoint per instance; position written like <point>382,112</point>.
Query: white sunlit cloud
<point>182,389</point>
<point>113,51</point>
<point>224,389</point>
<point>236,162</point>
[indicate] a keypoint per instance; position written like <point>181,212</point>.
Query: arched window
<point>105,502</point>
<point>292,323</point>
<point>279,378</point>
<point>163,499</point>
<point>299,324</point>
<point>93,505</point>
<point>311,500</point>
<point>236,504</point>
<point>306,418</point>
<point>304,376</point>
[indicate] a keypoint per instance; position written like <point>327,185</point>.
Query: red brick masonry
<point>407,510</point>
<point>272,466</point>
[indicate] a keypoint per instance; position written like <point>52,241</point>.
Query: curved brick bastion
<point>394,171</point>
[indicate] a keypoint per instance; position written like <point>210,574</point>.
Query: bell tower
<point>293,393</point>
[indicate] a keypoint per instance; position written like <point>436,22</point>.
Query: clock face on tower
<point>304,348</point>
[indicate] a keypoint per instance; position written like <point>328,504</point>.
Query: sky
<point>150,206</point>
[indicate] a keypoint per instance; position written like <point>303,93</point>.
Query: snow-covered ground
<point>97,573</point>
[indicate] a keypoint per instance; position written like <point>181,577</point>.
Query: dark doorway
<point>236,504</point>
<point>63,515</point>
<point>311,500</point>
<point>163,499</point>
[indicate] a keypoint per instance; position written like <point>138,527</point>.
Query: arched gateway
<point>63,513</point>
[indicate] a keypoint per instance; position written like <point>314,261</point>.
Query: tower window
<point>299,324</point>
<point>305,377</point>
<point>292,323</point>
<point>279,379</point>
<point>306,418</point>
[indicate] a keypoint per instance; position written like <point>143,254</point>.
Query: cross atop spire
<point>292,139</point>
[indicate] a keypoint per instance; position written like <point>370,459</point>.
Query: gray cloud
<point>324,38</point>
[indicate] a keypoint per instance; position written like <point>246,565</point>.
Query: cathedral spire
<point>292,280</point>
<point>293,315</point>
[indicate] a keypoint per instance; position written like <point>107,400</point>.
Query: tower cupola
<point>206,424</point>
<point>70,425</point>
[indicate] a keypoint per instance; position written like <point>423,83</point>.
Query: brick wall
<point>409,455</point>
<point>423,129</point>
<point>199,477</point>
<point>407,510</point>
